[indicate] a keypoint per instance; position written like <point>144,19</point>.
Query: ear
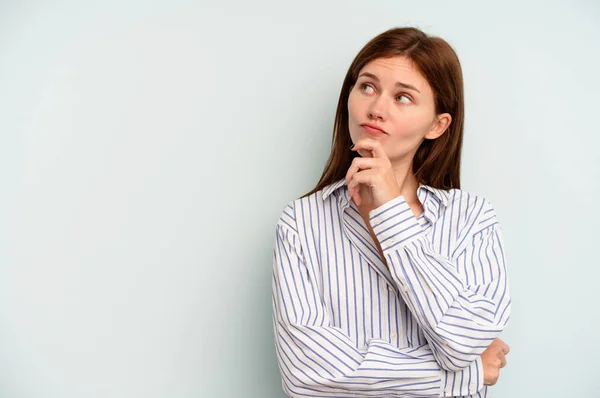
<point>439,126</point>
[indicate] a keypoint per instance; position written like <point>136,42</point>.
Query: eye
<point>403,99</point>
<point>366,88</point>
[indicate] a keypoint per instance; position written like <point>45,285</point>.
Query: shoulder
<point>287,217</point>
<point>299,210</point>
<point>307,211</point>
<point>475,210</point>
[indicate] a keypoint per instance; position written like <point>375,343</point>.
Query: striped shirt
<point>347,323</point>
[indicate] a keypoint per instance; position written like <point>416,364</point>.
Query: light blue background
<point>147,149</point>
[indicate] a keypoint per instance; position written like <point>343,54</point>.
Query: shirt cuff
<point>394,224</point>
<point>463,383</point>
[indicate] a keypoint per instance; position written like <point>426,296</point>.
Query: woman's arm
<point>317,359</point>
<point>460,314</point>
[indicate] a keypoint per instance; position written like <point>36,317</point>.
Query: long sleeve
<point>317,359</point>
<point>461,300</point>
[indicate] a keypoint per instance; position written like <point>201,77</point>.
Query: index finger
<point>372,145</point>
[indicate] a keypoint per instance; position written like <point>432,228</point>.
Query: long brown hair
<point>436,162</point>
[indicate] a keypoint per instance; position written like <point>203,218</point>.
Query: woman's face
<point>392,102</point>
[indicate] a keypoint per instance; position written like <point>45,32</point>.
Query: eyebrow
<point>401,84</point>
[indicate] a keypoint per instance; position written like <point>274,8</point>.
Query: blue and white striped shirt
<point>346,325</point>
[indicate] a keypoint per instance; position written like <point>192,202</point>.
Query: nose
<point>378,108</point>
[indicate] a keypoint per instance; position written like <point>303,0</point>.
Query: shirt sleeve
<point>317,359</point>
<point>461,312</point>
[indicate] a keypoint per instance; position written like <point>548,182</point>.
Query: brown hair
<point>436,162</point>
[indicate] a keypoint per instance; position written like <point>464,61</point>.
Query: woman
<point>388,279</point>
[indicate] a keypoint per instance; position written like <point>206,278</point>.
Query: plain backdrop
<point>147,149</point>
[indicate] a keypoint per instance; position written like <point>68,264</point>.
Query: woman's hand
<point>494,359</point>
<point>374,172</point>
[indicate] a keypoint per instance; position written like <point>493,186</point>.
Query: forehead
<point>396,69</point>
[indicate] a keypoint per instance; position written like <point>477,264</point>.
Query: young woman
<point>388,279</point>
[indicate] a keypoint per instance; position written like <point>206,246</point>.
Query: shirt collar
<point>328,190</point>
<point>440,194</point>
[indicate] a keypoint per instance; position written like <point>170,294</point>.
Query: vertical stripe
<point>347,325</point>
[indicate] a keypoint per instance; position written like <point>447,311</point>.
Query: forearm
<point>460,319</point>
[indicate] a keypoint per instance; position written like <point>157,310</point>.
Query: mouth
<point>373,129</point>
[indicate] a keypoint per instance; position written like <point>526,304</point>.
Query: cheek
<point>354,115</point>
<point>353,106</point>
<point>412,125</point>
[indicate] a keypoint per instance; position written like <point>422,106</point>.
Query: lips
<point>371,128</point>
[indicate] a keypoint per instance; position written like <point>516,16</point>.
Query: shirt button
<point>473,387</point>
<point>406,288</point>
<point>393,335</point>
<point>376,220</point>
<point>448,390</point>
<point>391,241</point>
<point>391,289</point>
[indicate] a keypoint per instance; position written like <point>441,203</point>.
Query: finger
<point>372,145</point>
<point>505,348</point>
<point>361,164</point>
<point>502,361</point>
<point>354,193</point>
<point>356,196</point>
<point>357,165</point>
<point>366,177</point>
